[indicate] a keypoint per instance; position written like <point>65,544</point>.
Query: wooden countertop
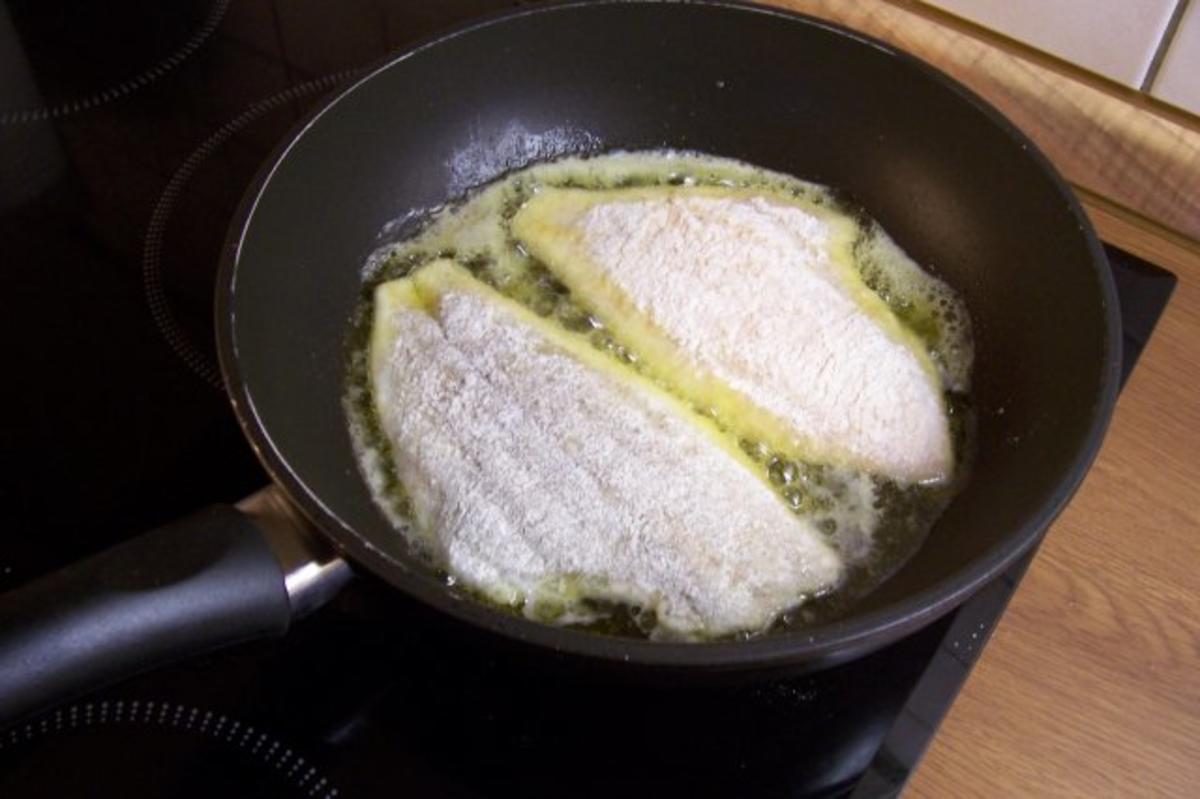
<point>1090,685</point>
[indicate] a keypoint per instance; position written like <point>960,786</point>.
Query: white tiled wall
<point>1115,38</point>
<point>1178,80</point>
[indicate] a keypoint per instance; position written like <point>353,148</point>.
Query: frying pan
<point>958,186</point>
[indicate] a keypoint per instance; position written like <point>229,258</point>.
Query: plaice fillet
<point>746,303</point>
<point>539,469</point>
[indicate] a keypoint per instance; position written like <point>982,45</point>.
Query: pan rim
<point>834,642</point>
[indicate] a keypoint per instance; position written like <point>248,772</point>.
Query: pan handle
<point>209,580</point>
<point>313,572</point>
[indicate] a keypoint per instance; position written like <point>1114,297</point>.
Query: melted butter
<point>875,523</point>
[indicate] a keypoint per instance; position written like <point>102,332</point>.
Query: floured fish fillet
<point>540,471</point>
<point>747,303</point>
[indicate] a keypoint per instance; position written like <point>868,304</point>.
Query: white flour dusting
<point>872,522</point>
<point>539,474</point>
<point>745,289</point>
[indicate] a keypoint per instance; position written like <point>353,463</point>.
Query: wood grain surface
<point>1091,683</point>
<point>1090,686</point>
<point>1109,139</point>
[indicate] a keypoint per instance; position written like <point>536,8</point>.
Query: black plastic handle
<point>197,584</point>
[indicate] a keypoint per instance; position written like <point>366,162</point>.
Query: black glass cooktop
<point>128,130</point>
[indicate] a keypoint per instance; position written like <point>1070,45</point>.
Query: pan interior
<point>959,191</point>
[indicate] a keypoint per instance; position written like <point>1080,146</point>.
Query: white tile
<point>1115,38</point>
<point>1178,80</point>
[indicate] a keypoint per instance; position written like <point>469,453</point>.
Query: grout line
<point>1014,48</point>
<point>1164,44</point>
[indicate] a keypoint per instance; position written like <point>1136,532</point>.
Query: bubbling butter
<point>874,521</point>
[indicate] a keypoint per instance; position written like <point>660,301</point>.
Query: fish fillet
<point>744,303</point>
<point>540,470</point>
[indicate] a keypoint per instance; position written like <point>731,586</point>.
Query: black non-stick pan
<point>961,190</point>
